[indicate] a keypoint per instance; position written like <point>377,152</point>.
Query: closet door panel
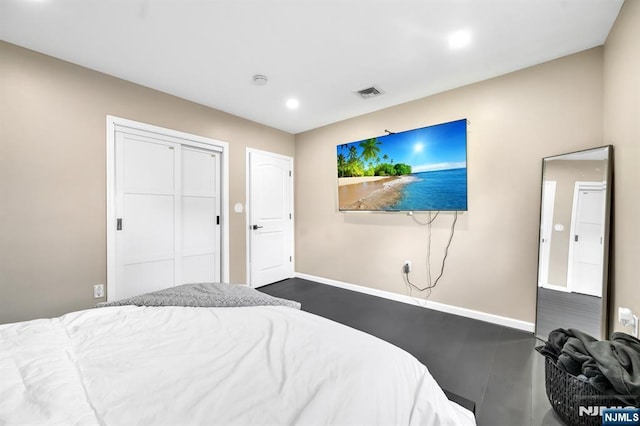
<point>148,166</point>
<point>199,269</point>
<point>198,225</point>
<point>147,277</point>
<point>168,206</point>
<point>199,173</point>
<point>148,227</point>
<point>200,210</point>
<point>146,190</point>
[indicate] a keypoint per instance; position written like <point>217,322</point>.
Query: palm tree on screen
<point>353,154</point>
<point>370,149</point>
<point>342,162</point>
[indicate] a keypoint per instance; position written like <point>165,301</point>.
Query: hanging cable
<point>428,222</point>
<point>431,283</point>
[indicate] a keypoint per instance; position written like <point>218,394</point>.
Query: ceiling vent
<point>369,92</point>
<point>260,80</point>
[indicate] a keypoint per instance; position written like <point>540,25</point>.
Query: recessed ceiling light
<point>293,103</point>
<point>459,39</point>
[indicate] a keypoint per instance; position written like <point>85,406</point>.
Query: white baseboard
<point>463,312</point>
<point>556,288</point>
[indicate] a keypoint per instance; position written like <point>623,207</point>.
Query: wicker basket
<point>567,393</point>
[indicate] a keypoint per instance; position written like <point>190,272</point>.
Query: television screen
<point>422,169</point>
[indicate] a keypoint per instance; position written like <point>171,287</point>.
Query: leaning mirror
<point>573,252</point>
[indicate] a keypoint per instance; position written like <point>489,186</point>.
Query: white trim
<point>183,138</point>
<point>546,230</point>
<point>556,288</point>
<point>247,207</point>
<point>111,203</point>
<point>122,124</point>
<point>247,218</point>
<point>436,306</point>
<point>272,154</point>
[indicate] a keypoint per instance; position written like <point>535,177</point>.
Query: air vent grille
<point>369,92</point>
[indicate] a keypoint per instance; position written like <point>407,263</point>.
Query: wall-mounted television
<point>423,169</point>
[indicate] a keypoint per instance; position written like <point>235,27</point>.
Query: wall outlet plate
<point>98,291</point>
<point>625,316</point>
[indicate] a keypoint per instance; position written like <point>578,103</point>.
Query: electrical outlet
<point>98,291</point>
<point>407,267</point>
<point>627,318</point>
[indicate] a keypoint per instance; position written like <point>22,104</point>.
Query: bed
<point>242,361</point>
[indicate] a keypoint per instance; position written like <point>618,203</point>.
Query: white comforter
<point>225,366</point>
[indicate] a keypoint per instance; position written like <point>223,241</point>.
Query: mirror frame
<point>604,321</point>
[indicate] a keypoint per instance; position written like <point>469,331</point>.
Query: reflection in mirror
<point>574,250</point>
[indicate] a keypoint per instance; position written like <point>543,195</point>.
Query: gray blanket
<point>204,295</point>
<point>611,366</point>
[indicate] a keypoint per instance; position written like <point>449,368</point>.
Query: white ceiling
<point>318,51</point>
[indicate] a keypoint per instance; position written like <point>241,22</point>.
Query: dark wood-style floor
<point>496,367</point>
<point>568,310</point>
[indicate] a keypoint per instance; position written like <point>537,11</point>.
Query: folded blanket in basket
<point>204,295</point>
<point>611,366</point>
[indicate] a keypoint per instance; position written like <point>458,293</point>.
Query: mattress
<point>172,365</point>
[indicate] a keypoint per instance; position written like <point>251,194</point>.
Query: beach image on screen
<point>423,169</point>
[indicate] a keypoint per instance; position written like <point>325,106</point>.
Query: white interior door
<point>586,251</point>
<point>146,207</point>
<point>270,217</point>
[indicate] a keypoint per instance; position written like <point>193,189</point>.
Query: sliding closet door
<point>146,207</point>
<point>200,243</point>
<point>168,206</point>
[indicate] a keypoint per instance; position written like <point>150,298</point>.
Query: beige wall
<point>622,130</point>
<point>52,175</point>
<point>516,120</point>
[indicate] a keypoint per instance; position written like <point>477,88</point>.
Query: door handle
<point>254,227</point>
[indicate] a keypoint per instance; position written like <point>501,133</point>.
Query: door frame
<point>548,205</point>
<point>113,124</point>
<point>248,207</point>
<point>580,186</point>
